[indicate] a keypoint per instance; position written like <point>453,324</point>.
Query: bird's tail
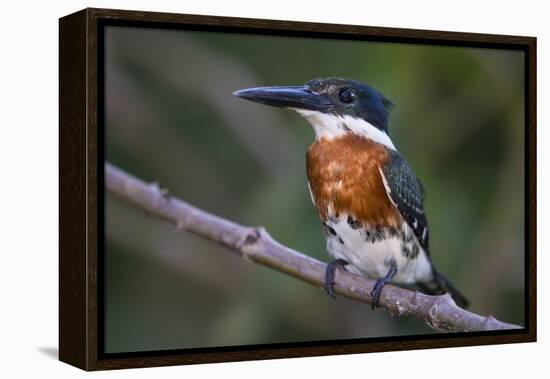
<point>441,285</point>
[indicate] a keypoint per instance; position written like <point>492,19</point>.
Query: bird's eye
<point>346,95</point>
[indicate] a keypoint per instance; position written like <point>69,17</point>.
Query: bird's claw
<point>329,275</point>
<point>376,291</point>
<point>380,283</point>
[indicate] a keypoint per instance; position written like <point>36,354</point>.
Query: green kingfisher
<point>369,200</point>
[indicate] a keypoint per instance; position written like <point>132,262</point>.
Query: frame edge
<point>531,172</point>
<point>72,191</point>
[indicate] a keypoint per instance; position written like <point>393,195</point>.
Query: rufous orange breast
<point>344,177</point>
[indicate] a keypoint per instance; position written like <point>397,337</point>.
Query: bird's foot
<point>329,275</point>
<point>380,283</point>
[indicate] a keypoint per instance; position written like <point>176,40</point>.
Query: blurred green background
<point>171,118</point>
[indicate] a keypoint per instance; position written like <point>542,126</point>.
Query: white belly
<point>370,253</point>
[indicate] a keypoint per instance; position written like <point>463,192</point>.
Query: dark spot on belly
<point>368,236</point>
<point>354,224</point>
<point>405,251</point>
<point>333,218</point>
<point>329,231</point>
<point>390,262</point>
<point>407,236</point>
<point>415,251</point>
<point>376,233</point>
<point>380,232</point>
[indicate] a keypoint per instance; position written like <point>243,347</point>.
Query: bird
<point>369,200</point>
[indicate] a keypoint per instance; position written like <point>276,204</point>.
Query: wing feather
<point>407,194</point>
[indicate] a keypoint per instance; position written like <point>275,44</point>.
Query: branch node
<point>432,317</point>
<point>161,193</point>
<point>415,298</point>
<point>165,193</point>
<point>251,237</point>
<point>249,240</point>
<point>400,309</point>
<point>180,226</point>
<point>449,299</point>
<point>488,320</point>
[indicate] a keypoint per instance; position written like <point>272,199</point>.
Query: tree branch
<point>256,245</point>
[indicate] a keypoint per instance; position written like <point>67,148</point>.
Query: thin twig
<point>256,245</point>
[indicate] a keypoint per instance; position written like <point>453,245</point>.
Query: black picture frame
<point>82,179</point>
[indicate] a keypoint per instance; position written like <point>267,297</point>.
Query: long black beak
<point>299,97</point>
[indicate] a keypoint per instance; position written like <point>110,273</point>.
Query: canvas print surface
<point>457,118</point>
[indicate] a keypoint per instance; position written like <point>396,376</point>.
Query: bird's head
<point>333,106</point>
